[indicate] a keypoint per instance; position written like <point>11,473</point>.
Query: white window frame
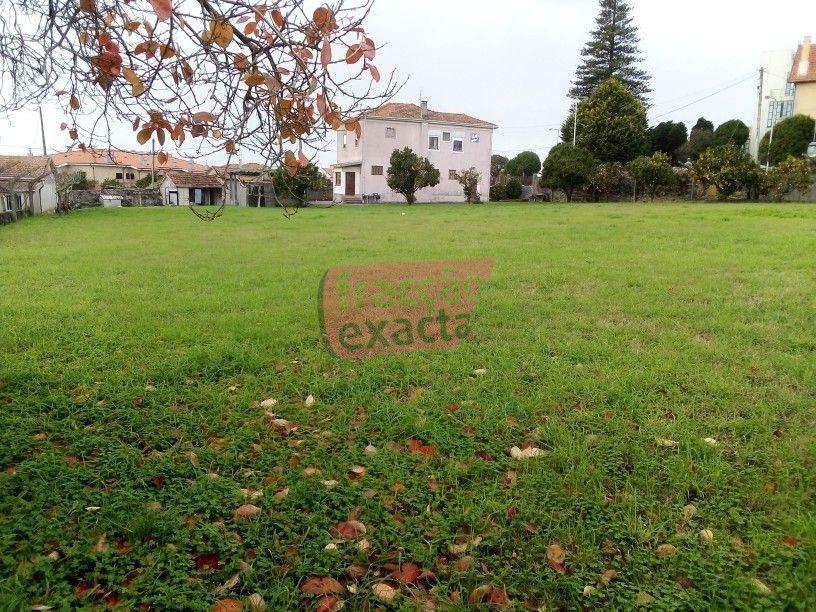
<point>390,132</point>
<point>7,203</point>
<point>461,142</point>
<point>446,136</point>
<point>431,138</point>
<point>380,173</point>
<point>345,139</point>
<point>475,137</point>
<point>452,175</point>
<point>338,179</point>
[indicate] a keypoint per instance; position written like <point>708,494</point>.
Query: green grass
<point>603,328</point>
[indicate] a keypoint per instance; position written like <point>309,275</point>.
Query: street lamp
<point>770,140</point>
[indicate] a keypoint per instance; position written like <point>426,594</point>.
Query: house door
<point>351,187</point>
<point>172,198</point>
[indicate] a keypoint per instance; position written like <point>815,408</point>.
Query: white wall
<point>48,195</point>
<point>376,150</point>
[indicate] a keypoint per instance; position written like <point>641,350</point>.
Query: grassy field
<point>136,346</point>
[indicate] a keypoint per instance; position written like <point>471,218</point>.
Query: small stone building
<point>192,188</point>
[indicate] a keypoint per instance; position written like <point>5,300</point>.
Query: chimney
<point>423,113</point>
<point>804,58</point>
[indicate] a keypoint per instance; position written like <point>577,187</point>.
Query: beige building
<point>453,142</point>
<point>126,167</point>
<point>27,186</point>
<point>803,77</point>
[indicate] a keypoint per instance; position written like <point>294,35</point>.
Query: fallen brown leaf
<point>321,586</point>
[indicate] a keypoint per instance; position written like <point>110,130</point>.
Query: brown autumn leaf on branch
<point>273,79</point>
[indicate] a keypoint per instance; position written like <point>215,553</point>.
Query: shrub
<point>147,181</point>
<point>497,193</point>
<point>608,179</point>
<point>652,173</point>
<point>524,166</point>
<point>512,190</point>
<point>469,180</point>
<point>408,173</point>
<point>727,168</point>
<point>791,175</point>
<point>568,168</point>
<point>733,132</point>
<point>791,138</point>
<point>110,183</point>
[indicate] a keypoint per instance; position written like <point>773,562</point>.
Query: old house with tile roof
<point>127,167</point>
<point>192,188</point>
<point>453,142</point>
<point>27,186</point>
<point>247,184</point>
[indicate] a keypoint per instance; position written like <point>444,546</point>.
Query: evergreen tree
<point>612,52</point>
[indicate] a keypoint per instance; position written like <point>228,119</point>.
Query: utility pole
<point>42,131</point>
<point>153,160</point>
<point>760,90</point>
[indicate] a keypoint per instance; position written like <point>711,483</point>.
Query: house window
<point>433,143</point>
<point>474,137</point>
<point>458,144</point>
<point>452,175</point>
<point>7,203</point>
<point>356,142</point>
<point>18,203</point>
<point>790,89</point>
<point>445,136</point>
<point>787,108</point>
<point>119,176</point>
<point>345,139</point>
<point>338,179</point>
<point>196,195</point>
<point>390,132</point>
<point>376,170</point>
<point>130,176</point>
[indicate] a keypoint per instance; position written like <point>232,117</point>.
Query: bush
<point>608,179</point>
<point>568,168</point>
<point>791,138</point>
<point>147,181</point>
<point>408,173</point>
<point>110,183</point>
<point>512,190</point>
<point>469,180</point>
<point>733,132</point>
<point>497,193</point>
<point>652,173</point>
<point>728,169</point>
<point>791,175</point>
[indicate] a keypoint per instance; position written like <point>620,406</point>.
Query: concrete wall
<point>132,196</point>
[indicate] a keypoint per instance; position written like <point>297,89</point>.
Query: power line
<point>751,76</point>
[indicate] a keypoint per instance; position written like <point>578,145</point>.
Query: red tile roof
<point>412,112</point>
<point>129,159</point>
<point>804,64</point>
<point>196,179</point>
<point>247,168</point>
<point>24,167</point>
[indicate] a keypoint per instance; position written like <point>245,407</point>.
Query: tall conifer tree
<point>612,52</point>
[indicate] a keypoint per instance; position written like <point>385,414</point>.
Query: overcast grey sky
<point>511,62</point>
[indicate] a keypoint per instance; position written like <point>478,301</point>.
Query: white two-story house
<point>451,141</point>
